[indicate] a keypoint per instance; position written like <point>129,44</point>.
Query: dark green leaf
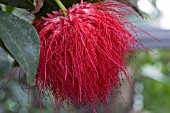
<point>15,63</point>
<point>4,47</point>
<point>22,41</point>
<point>26,4</point>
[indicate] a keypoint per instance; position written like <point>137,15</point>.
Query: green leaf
<point>9,9</point>
<point>22,40</point>
<point>26,4</point>
<point>4,47</point>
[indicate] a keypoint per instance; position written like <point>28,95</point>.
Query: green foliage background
<point>156,92</point>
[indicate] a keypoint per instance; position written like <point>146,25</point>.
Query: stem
<point>61,6</point>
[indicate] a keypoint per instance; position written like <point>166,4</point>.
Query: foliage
<point>20,39</point>
<point>156,91</point>
<point>156,96</point>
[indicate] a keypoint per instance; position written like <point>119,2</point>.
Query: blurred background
<point>152,88</point>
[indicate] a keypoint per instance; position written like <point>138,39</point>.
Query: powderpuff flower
<point>83,54</point>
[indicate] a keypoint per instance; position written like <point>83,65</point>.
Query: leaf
<point>4,47</point>
<point>26,4</point>
<point>9,9</point>
<point>22,40</point>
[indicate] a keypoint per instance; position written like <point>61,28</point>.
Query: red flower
<point>83,53</point>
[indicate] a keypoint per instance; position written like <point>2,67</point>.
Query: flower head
<point>83,53</point>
